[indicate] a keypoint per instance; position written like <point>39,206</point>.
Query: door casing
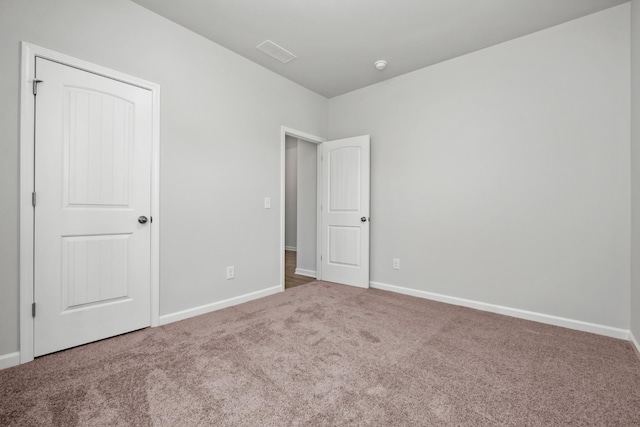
<point>27,155</point>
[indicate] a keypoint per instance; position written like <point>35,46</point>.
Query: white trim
<point>290,248</point>
<point>284,131</point>
<point>29,53</point>
<point>319,212</point>
<point>508,311</point>
<point>635,343</point>
<point>26,210</point>
<point>10,359</point>
<point>303,272</point>
<point>219,305</point>
<point>155,207</point>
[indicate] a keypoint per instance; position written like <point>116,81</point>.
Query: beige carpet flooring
<point>331,355</point>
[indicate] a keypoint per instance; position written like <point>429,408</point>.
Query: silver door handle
<point>142,219</point>
<point>363,219</point>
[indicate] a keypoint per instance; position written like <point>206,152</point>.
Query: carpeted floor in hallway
<point>330,355</point>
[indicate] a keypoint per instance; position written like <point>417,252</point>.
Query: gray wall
<point>307,205</point>
<point>220,144</point>
<point>503,176</point>
<point>635,168</point>
<point>291,192</point>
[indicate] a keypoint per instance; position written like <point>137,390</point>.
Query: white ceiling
<point>337,41</point>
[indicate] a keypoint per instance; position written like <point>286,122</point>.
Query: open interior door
<point>345,211</point>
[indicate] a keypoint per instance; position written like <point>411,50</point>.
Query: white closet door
<point>93,186</point>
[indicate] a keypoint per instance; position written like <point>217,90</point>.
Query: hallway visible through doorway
<point>290,278</point>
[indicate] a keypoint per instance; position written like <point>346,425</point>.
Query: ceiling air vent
<point>272,49</point>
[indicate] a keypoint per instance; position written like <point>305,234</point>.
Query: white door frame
<point>318,141</point>
<point>27,156</point>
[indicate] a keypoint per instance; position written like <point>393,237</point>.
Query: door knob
<point>363,219</point>
<point>142,219</point>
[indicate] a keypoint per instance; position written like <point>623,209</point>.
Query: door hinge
<point>33,309</point>
<point>33,199</point>
<point>35,86</point>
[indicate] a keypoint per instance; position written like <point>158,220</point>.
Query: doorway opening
<point>300,212</point>
<point>300,208</point>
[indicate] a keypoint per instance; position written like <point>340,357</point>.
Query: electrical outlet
<point>231,272</point>
<point>267,202</point>
<point>396,264</point>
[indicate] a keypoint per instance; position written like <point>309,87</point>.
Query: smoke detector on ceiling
<point>381,64</point>
<point>275,51</point>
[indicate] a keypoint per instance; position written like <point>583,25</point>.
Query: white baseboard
<point>303,272</point>
<point>290,248</point>
<point>508,311</point>
<point>10,359</point>
<point>635,343</point>
<point>207,308</point>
